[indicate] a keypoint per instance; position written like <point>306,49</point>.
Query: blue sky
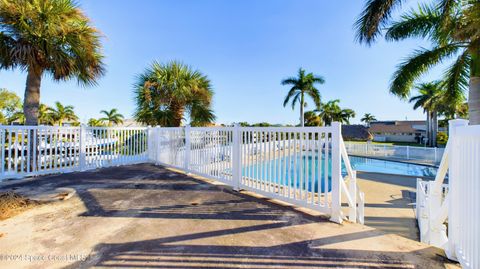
<point>245,47</point>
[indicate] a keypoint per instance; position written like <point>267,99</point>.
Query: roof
<point>398,122</point>
<point>356,132</point>
<point>387,128</point>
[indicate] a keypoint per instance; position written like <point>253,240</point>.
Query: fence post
<point>435,155</point>
<point>336,215</point>
<point>352,214</point>
<point>186,165</point>
<point>149,144</point>
<point>408,152</point>
<point>83,147</point>
<point>236,158</point>
<point>453,226</point>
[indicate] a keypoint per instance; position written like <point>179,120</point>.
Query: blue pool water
<point>305,170</point>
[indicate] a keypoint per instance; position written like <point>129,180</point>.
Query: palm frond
<point>373,18</point>
<point>416,65</point>
<point>423,22</point>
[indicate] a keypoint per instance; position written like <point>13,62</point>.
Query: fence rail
<point>456,203</point>
<point>421,154</point>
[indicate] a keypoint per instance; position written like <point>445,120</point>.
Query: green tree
<point>368,118</point>
<point>60,113</point>
<point>10,105</point>
<point>48,37</point>
<point>165,93</point>
<point>112,117</point>
<point>331,111</point>
<point>312,119</point>
<point>430,99</point>
<point>452,26</point>
<point>95,123</point>
<point>303,85</point>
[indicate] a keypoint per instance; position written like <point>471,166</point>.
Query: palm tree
<point>303,84</point>
<point>95,123</point>
<point>345,115</point>
<point>368,118</point>
<point>430,99</point>
<point>164,93</point>
<point>452,26</point>
<point>312,119</point>
<point>329,111</point>
<point>112,117</point>
<point>46,37</point>
<point>61,113</point>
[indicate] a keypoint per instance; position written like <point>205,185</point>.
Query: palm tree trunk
<point>435,128</point>
<point>474,89</point>
<point>302,101</point>
<point>32,96</point>
<point>31,104</point>
<point>474,100</point>
<point>427,127</point>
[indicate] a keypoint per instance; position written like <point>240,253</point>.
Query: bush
<point>442,138</point>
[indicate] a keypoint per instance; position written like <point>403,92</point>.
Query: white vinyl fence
<point>422,154</point>
<point>302,166</point>
<point>37,150</point>
<point>457,202</point>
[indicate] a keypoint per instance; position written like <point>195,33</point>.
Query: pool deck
<point>390,201</point>
<point>145,216</point>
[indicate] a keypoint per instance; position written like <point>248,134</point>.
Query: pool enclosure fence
<point>299,165</point>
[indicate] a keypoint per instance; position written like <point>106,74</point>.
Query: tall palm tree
<point>48,37</point>
<point>452,26</point>
<point>166,93</point>
<point>112,117</point>
<point>430,99</point>
<point>303,85</point>
<point>368,118</point>
<point>60,113</point>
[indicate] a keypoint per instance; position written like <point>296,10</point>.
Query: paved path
<point>144,216</point>
<point>389,203</point>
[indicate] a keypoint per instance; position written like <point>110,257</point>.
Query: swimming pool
<point>391,167</point>
<point>307,173</point>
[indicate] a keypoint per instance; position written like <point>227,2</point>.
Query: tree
<point>10,104</point>
<point>430,99</point>
<point>95,123</point>
<point>61,113</point>
<point>312,119</point>
<point>48,37</point>
<point>452,26</point>
<point>368,118</point>
<point>345,115</point>
<point>331,111</point>
<point>112,117</point>
<point>303,85</point>
<point>165,93</point>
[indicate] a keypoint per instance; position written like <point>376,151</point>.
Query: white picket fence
<point>457,202</point>
<point>302,166</point>
<point>422,154</point>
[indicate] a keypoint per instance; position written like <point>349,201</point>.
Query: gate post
<point>453,228</point>
<point>336,215</point>
<point>236,158</point>
<point>186,164</point>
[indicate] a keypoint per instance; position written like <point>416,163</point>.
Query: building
<point>398,131</point>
